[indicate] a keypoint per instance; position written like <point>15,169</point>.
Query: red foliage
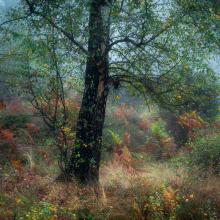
<point>43,154</point>
<point>16,106</point>
<point>191,121</point>
<point>143,125</point>
<point>125,113</point>
<point>124,157</point>
<point>18,165</point>
<point>161,148</point>
<point>2,106</point>
<point>127,139</point>
<point>6,135</point>
<point>32,128</point>
<point>119,113</point>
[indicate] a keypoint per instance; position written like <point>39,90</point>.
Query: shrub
<point>160,144</point>
<point>191,121</point>
<point>206,153</point>
<point>47,211</point>
<point>11,121</point>
<point>168,203</point>
<point>192,207</point>
<point>158,128</point>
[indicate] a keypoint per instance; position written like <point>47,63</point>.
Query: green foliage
<point>206,153</point>
<point>167,203</point>
<point>159,144</point>
<point>115,137</point>
<point>191,209</point>
<point>84,214</point>
<point>197,90</point>
<point>155,206</point>
<point>47,211</point>
<point>158,128</point>
<point>42,211</point>
<point>178,162</point>
<point>19,121</point>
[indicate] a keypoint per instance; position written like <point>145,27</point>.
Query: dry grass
<point>121,194</point>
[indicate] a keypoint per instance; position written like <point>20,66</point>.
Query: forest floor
<point>146,190</point>
<point>134,184</point>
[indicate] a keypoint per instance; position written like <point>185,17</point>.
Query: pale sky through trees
<point>2,3</point>
<point>214,64</point>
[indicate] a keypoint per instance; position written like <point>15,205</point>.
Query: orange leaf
<point>17,164</point>
<point>2,106</point>
<point>6,135</point>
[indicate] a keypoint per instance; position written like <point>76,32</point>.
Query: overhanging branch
<point>141,42</point>
<point>53,24</point>
<point>15,19</point>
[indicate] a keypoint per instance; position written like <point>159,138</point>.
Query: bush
<point>190,209</point>
<point>169,203</point>
<point>9,121</point>
<point>47,211</point>
<point>191,121</point>
<point>206,153</point>
<point>160,145</point>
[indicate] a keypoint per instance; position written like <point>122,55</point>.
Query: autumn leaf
<point>2,106</point>
<point>18,165</point>
<point>6,135</point>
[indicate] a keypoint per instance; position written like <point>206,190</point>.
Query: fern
<point>115,137</point>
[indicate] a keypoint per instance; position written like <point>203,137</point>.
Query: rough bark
<point>85,160</point>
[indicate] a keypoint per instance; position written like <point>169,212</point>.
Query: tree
<point>204,88</point>
<point>135,43</point>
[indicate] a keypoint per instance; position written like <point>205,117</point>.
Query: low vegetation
<point>153,180</point>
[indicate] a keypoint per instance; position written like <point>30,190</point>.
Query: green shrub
<point>190,209</point>
<point>9,121</point>
<point>84,214</point>
<point>160,145</point>
<point>158,128</point>
<point>206,153</point>
<point>47,211</point>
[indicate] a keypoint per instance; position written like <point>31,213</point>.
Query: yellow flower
<point>53,209</point>
<point>178,97</point>
<point>118,97</point>
<point>186,67</point>
<point>216,17</point>
<point>18,200</point>
<point>66,130</point>
<point>191,196</point>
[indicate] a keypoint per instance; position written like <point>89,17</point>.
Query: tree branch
<point>53,24</point>
<point>15,19</point>
<point>141,42</point>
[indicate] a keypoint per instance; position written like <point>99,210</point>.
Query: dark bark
<point>85,160</point>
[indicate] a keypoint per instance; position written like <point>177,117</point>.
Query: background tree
<point>204,88</point>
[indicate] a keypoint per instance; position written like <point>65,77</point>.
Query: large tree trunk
<point>85,160</point>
